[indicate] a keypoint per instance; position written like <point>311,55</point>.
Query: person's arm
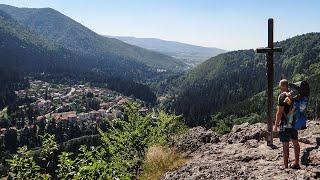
<point>280,110</point>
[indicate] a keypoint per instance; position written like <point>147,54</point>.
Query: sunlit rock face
<point>243,154</point>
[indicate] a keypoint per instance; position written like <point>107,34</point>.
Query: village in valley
<point>66,111</point>
<point>60,102</point>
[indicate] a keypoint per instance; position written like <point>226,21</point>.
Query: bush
<point>123,147</point>
<point>23,166</point>
<point>120,154</point>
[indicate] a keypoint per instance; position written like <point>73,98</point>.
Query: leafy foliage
<point>123,148</point>
<point>120,153</point>
<point>49,146</point>
<point>66,166</point>
<point>23,166</point>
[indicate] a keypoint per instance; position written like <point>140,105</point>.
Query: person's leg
<point>285,138</point>
<point>296,148</point>
<point>285,154</point>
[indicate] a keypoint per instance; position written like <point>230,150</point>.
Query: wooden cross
<point>270,73</point>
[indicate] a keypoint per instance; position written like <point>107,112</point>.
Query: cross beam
<point>268,50</point>
<point>270,74</point>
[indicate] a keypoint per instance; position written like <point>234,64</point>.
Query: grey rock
<point>243,154</point>
<point>195,138</point>
<point>244,132</point>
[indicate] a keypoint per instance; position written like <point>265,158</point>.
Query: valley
<point>191,55</point>
<point>81,107</point>
<point>76,104</point>
<point>67,112</point>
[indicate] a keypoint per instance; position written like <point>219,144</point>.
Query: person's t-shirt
<point>286,110</point>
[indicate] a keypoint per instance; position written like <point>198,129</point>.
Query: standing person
<point>286,133</point>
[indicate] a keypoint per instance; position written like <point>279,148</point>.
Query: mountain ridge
<point>74,36</point>
<point>188,53</point>
<point>29,54</point>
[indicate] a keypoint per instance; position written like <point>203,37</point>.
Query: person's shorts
<point>285,135</point>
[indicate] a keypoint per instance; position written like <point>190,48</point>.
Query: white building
<point>83,116</point>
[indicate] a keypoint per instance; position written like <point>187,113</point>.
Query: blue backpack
<point>301,92</point>
<point>300,113</point>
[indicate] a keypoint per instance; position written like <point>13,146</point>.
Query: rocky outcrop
<point>242,133</point>
<point>243,154</point>
<point>195,138</point>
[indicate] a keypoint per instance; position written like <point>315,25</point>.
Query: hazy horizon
<point>229,25</point>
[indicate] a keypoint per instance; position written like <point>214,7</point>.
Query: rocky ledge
<point>243,154</point>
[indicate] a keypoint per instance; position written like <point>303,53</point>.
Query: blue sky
<point>227,24</point>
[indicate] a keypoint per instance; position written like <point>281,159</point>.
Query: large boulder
<point>195,138</point>
<point>244,132</point>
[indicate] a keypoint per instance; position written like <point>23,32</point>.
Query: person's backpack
<point>300,94</point>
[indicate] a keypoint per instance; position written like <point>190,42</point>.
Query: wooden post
<point>316,109</point>
<point>270,75</point>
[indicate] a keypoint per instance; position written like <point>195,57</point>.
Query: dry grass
<point>160,160</point>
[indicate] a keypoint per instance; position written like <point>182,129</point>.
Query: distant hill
<point>188,53</point>
<point>228,82</point>
<point>70,34</point>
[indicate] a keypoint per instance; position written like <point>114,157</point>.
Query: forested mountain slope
<point>26,46</point>
<point>72,35</point>
<point>23,52</point>
<point>231,78</point>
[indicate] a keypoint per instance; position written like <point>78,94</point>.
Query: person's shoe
<point>294,166</point>
<point>283,167</point>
